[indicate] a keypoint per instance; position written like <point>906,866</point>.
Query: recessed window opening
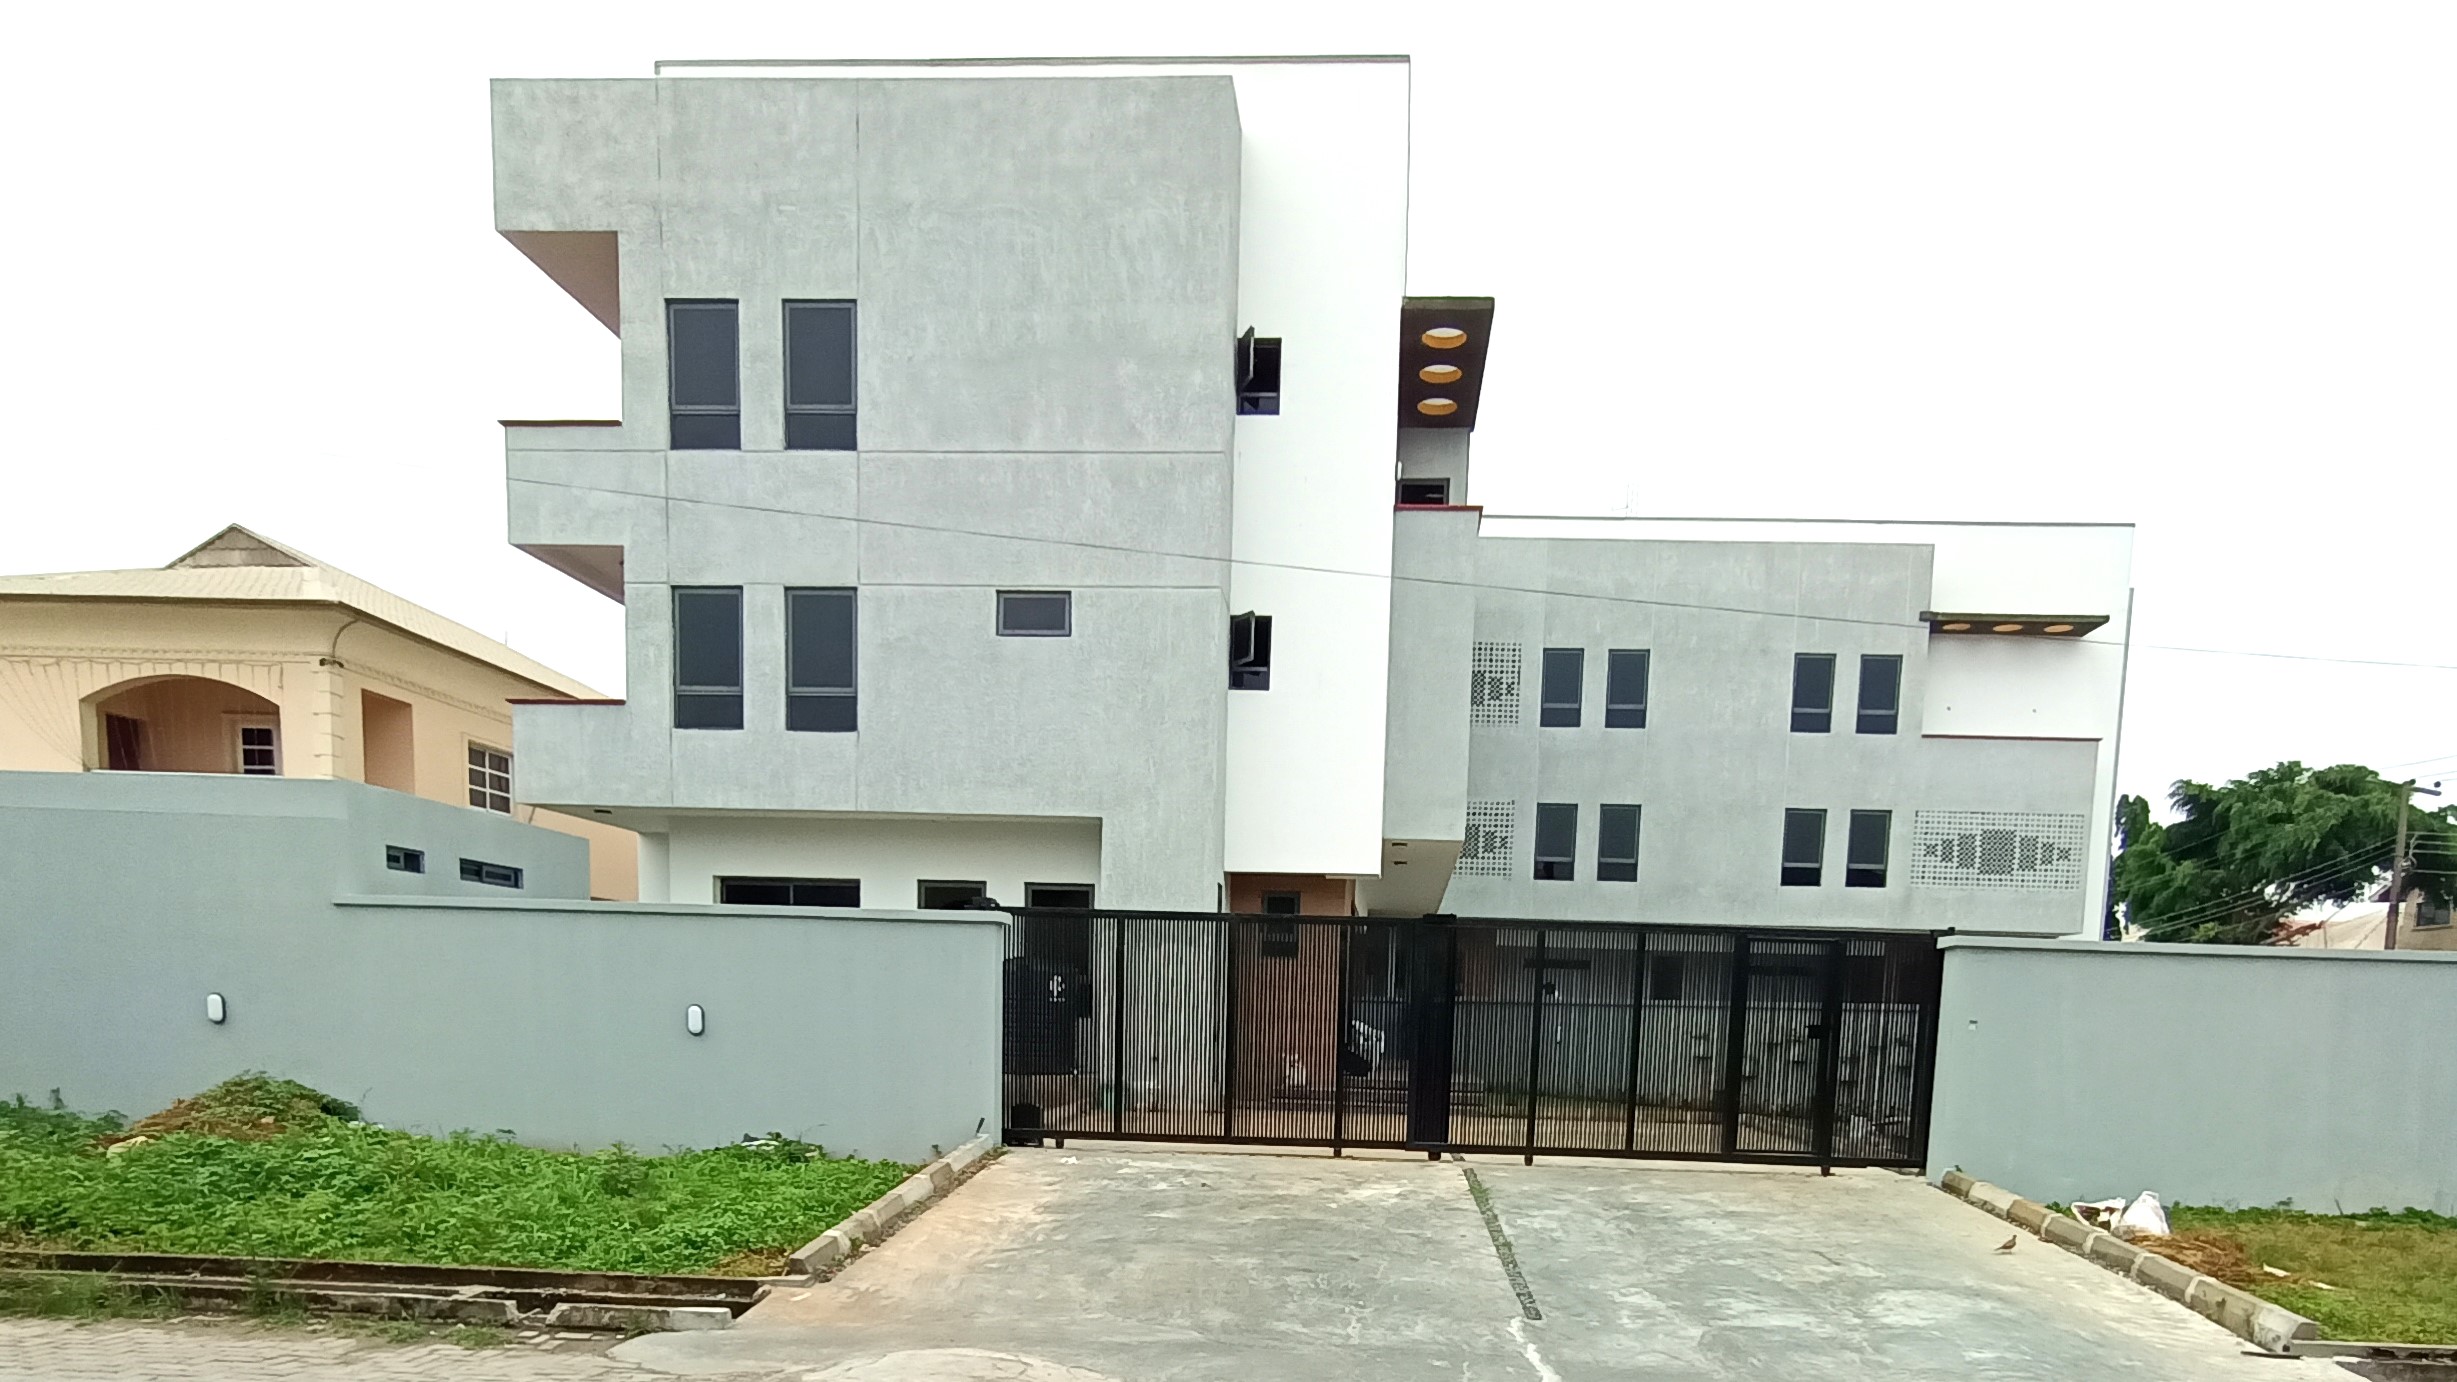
<point>1865,852</point>
<point>1880,693</point>
<point>708,657</point>
<point>1804,847</point>
<point>1616,844</point>
<point>1565,674</point>
<point>490,778</point>
<point>1035,614</point>
<point>942,896</point>
<point>704,374</point>
<point>1258,375</point>
<point>492,875</point>
<point>1812,693</point>
<point>790,892</point>
<point>1625,688</point>
<point>1556,842</point>
<point>1249,652</point>
<point>259,748</point>
<point>403,859</point>
<point>819,376</point>
<point>1424,493</point>
<point>819,661</point>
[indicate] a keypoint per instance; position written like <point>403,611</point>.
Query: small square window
<point>1865,852</point>
<point>1556,842</point>
<point>1565,675</point>
<point>1804,847</point>
<point>402,859</point>
<point>259,750</point>
<point>492,875</point>
<point>1812,693</point>
<point>1035,614</point>
<point>490,779</point>
<point>1880,693</point>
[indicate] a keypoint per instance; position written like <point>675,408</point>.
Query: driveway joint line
<point>1501,1242</point>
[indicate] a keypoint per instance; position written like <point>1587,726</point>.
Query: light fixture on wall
<point>2051,626</point>
<point>215,1009</point>
<point>695,1020</point>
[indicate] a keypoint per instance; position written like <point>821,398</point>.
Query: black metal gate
<point>1472,1035</point>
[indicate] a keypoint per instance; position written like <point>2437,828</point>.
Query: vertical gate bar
<point>1734,1045</point>
<point>1117,1038</point>
<point>1228,1028</point>
<point>1535,1047</point>
<point>1829,1054</point>
<point>1339,1050</point>
<point>1637,1015</point>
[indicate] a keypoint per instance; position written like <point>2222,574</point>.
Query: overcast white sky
<point>2192,266</point>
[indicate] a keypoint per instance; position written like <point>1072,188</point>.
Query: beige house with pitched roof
<point>247,656</point>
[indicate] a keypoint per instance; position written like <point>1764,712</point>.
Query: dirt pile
<point>251,1106</point>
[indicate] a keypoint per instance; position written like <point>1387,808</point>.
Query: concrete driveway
<point>1137,1265</point>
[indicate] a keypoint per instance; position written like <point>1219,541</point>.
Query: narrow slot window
<point>1812,693</point>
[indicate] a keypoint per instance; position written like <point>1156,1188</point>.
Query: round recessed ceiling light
<point>1439,374</point>
<point>2057,628</point>
<point>1437,407</point>
<point>2009,628</point>
<point>1444,338</point>
<point>1955,628</point>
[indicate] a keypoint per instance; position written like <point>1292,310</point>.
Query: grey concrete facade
<point>1045,273</point>
<point>2239,1076</point>
<point>133,896</point>
<point>1716,764</point>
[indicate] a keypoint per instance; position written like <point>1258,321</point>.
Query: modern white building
<point>1035,482</point>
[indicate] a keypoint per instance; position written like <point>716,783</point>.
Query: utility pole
<point>2397,861</point>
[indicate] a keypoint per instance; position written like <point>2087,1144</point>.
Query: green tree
<point>2241,856</point>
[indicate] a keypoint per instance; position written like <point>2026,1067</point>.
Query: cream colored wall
<point>311,662</point>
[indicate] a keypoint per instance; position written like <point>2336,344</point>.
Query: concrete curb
<point>2270,1327</point>
<point>867,1223</point>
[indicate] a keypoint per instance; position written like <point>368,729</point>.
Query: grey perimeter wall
<point>125,899</point>
<point>2212,1075</point>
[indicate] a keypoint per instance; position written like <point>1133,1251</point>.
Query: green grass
<point>323,1186</point>
<point>2395,1274</point>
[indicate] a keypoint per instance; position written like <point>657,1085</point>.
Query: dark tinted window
<point>1424,491</point>
<point>1258,374</point>
<point>708,657</point>
<point>1283,904</point>
<point>493,875</point>
<point>941,897</point>
<point>1075,895</point>
<point>1625,688</point>
<point>1035,613</point>
<point>1249,652</point>
<point>790,892</point>
<point>404,859</point>
<point>1556,841</point>
<point>1565,671</point>
<point>1812,693</point>
<point>1864,857</point>
<point>819,431</point>
<point>1880,693</point>
<point>1616,844</point>
<point>1804,848</point>
<point>703,376</point>
<point>1279,939</point>
<point>1664,975</point>
<point>818,355</point>
<point>819,660</point>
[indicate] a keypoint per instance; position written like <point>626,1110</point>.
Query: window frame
<point>1066,605</point>
<point>1608,867</point>
<point>792,887</point>
<point>1887,717</point>
<point>240,727</point>
<point>851,408</point>
<point>675,308</point>
<point>1563,867</point>
<point>1809,718</point>
<point>483,773</point>
<point>1811,872</point>
<point>1401,500</point>
<point>492,875</point>
<point>1560,714</point>
<point>689,692</point>
<point>1090,896</point>
<point>1855,873</point>
<point>817,698</point>
<point>922,886</point>
<point>403,859</point>
<point>1627,714</point>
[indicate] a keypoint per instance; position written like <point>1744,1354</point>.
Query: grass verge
<point>2379,1276</point>
<point>262,1168</point>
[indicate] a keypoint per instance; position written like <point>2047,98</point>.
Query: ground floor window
<point>790,892</point>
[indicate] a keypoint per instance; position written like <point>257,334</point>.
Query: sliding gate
<point>1445,1034</point>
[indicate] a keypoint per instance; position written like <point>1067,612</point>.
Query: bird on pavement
<point>2007,1245</point>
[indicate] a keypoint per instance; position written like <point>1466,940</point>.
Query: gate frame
<point>1425,1084</point>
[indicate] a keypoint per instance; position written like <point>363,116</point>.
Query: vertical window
<point>1880,693</point>
<point>1812,693</point>
<point>1035,614</point>
<point>1249,652</point>
<point>123,738</point>
<point>1616,844</point>
<point>819,376</point>
<point>1625,688</point>
<point>1864,854</point>
<point>703,342</point>
<point>1804,848</point>
<point>708,657</point>
<point>1556,841</point>
<point>1258,375</point>
<point>490,778</point>
<point>259,748</point>
<point>819,662</point>
<point>1565,669</point>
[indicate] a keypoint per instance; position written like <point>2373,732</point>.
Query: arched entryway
<point>184,724</point>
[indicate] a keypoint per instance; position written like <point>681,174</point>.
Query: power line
<point>2200,912</point>
<point>1125,549</point>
